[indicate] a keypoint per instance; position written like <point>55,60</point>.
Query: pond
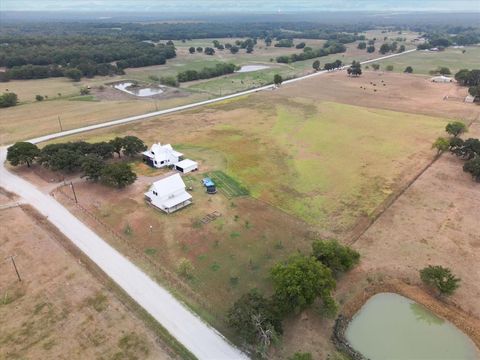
<point>390,326</point>
<point>250,68</point>
<point>131,88</point>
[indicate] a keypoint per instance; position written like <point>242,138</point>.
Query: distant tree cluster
<point>468,150</point>
<point>298,283</point>
<point>8,99</point>
<point>470,78</point>
<point>333,65</point>
<point>207,72</point>
<point>355,69</point>
<point>284,43</point>
<point>309,53</point>
<point>90,158</point>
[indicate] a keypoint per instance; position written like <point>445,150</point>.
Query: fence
<point>171,279</point>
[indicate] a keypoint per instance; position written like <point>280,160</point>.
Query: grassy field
<point>424,61</point>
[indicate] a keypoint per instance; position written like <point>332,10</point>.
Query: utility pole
<point>74,194</point>
<point>12,257</point>
<point>60,123</point>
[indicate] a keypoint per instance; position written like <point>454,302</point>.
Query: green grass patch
<point>83,98</point>
<point>228,185</point>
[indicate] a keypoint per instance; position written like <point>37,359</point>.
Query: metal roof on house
<point>169,185</point>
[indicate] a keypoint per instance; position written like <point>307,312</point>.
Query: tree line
<point>207,72</point>
<point>471,79</point>
<point>94,160</point>
<point>39,56</point>
<point>329,47</point>
<point>298,282</point>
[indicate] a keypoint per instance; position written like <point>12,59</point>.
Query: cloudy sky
<point>268,6</point>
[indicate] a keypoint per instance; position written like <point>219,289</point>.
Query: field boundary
<point>163,338</point>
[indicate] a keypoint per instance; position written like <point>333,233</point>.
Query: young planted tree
<point>277,79</point>
<point>441,144</point>
<point>456,128</point>
<point>299,281</point>
<point>118,175</point>
<point>254,320</point>
<point>22,153</point>
<point>440,278</point>
<point>337,257</point>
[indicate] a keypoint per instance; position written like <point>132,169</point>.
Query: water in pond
<point>137,91</point>
<point>250,68</point>
<point>390,326</point>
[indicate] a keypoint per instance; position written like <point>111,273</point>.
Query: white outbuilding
<point>186,166</point>
<point>169,194</point>
<point>161,155</point>
<point>441,79</point>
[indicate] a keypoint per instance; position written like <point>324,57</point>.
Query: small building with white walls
<point>441,79</point>
<point>169,194</point>
<point>186,166</point>
<point>160,155</point>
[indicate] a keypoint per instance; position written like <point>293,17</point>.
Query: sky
<point>239,6</point>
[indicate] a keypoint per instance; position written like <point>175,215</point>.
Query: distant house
<point>441,79</point>
<point>169,194</point>
<point>161,155</point>
<point>186,166</point>
<point>434,49</point>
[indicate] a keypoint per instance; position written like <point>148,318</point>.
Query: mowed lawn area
<point>424,61</point>
<point>308,167</point>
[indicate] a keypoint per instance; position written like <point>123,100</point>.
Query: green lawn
<point>424,61</point>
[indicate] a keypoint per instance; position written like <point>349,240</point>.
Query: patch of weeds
<point>99,302</point>
<point>196,224</point>
<point>132,347</point>
<point>236,217</point>
<point>11,295</point>
<point>279,245</point>
<point>233,205</point>
<point>184,247</point>
<point>186,268</point>
<point>234,280</point>
<point>248,225</point>
<point>150,251</point>
<point>234,234</point>
<point>253,266</point>
<point>39,307</point>
<point>216,243</point>
<point>202,257</point>
<point>215,266</point>
<point>49,344</point>
<point>127,230</point>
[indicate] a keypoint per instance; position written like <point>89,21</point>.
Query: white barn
<point>186,166</point>
<point>161,155</point>
<point>169,194</point>
<point>441,79</point>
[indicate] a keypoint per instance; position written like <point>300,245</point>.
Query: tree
<point>118,174</point>
<point>474,91</point>
<point>301,356</point>
<point>443,70</point>
<point>469,149</point>
<point>355,69</point>
<point>408,70</point>
<point>385,48</point>
<point>209,51</point>
<point>234,49</point>
<point>22,153</point>
<point>73,74</point>
<point>84,91</point>
<point>102,149</point>
<point>300,45</point>
<point>39,97</point>
<point>8,99</point>
<point>456,128</point>
<point>316,65</point>
<point>401,48</point>
<point>389,68</point>
<point>441,144</point>
<point>362,45</point>
<point>191,50</point>
<point>441,278</point>
<point>132,145</point>
<point>117,144</point>
<point>277,79</point>
<point>254,320</point>
<point>299,281</point>
<point>92,166</point>
<point>472,166</point>
<point>336,257</point>
<point>199,49</point>
<point>370,49</point>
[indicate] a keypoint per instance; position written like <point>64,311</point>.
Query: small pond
<point>250,68</point>
<point>390,326</point>
<point>131,88</point>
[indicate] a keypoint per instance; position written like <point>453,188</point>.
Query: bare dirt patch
<point>59,310</point>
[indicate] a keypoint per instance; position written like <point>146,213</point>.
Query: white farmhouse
<point>169,194</point>
<point>161,155</point>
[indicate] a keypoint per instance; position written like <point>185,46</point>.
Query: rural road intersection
<point>199,338</point>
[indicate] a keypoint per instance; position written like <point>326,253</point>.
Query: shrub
<point>39,97</point>
<point>186,268</point>
<point>440,278</point>
<point>8,99</point>
<point>389,68</point>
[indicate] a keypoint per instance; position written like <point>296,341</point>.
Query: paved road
<point>198,337</point>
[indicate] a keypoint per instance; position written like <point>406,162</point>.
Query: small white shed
<point>441,79</point>
<point>186,166</point>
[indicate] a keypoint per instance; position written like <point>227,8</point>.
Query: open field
<point>424,61</point>
<point>314,164</point>
<point>60,310</point>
